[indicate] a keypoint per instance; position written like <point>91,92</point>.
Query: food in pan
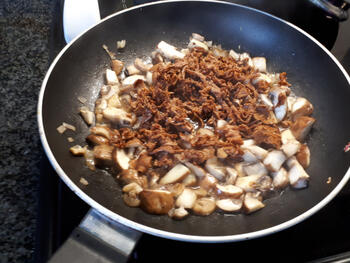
<point>198,130</point>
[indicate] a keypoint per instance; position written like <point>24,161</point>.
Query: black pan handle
<point>97,239</point>
<point>332,10</point>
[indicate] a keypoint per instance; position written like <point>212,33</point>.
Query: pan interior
<point>313,74</point>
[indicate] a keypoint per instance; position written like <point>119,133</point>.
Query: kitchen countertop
<point>24,55</point>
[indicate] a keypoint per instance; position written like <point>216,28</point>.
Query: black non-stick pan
<point>314,73</point>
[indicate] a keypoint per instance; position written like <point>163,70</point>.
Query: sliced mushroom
<point>248,157</point>
<point>229,205</point>
<point>178,213</point>
<point>208,182</point>
<point>140,65</point>
<point>280,178</point>
<point>131,199</point>
<point>197,170</point>
<point>221,153</point>
<point>132,79</point>
<point>280,112</point>
<point>277,96</point>
<point>117,66</point>
<point>103,154</point>
<point>195,43</point>
<point>190,180</point>
<point>215,168</point>
<point>274,160</point>
<point>87,115</point>
<point>134,142</point>
<point>175,174</point>
<point>102,131</point>
<point>259,152</point>
<point>239,169</point>
<point>204,206</point>
<point>111,77</point>
<point>169,51</point>
<point>248,183</point>
<point>133,70</point>
<point>254,169</point>
<point>175,189</point>
<point>156,201</point>
<point>77,150</point>
<point>298,178</point>
<point>231,175</point>
<point>131,176</point>
<point>301,127</point>
<point>252,204</point>
<point>259,63</point>
<point>266,101</point>
<point>290,101</point>
<point>228,191</point>
<point>186,199</point>
<point>247,143</point>
<point>132,187</point>
<point>234,55</point>
<point>96,139</point>
<point>261,77</point>
<point>198,37</point>
<point>121,159</point>
<point>303,156</point>
<point>287,136</point>
<point>118,116</point>
<point>290,148</point>
<point>149,78</point>
<point>246,56</point>
<point>114,101</point>
<point>301,107</point>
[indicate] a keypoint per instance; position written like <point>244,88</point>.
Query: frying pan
<point>312,70</point>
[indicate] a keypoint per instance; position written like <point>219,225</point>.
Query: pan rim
<point>162,233</point>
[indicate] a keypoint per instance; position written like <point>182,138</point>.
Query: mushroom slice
<point>287,136</point>
<point>290,148</point>
<point>239,169</point>
<point>117,66</point>
<point>290,102</point>
<point>301,107</point>
<point>229,191</point>
<point>169,51</point>
<point>118,116</point>
<point>252,204</point>
<point>96,139</point>
<point>280,112</point>
<point>121,159</point>
<point>186,199</point>
<point>178,213</point>
<point>259,152</point>
<point>215,168</point>
<point>77,150</point>
<point>298,178</point>
<point>248,142</point>
<point>111,77</point>
<point>302,126</point>
<point>229,205</point>
<point>198,37</point>
<point>277,95</point>
<point>134,142</point>
<point>280,178</point>
<point>259,63</point>
<point>190,180</point>
<point>140,65</point>
<point>114,101</point>
<point>132,187</point>
<point>103,154</point>
<point>248,157</point>
<point>102,131</point>
<point>231,175</point>
<point>303,156</point>
<point>254,169</point>
<point>133,70</point>
<point>131,199</point>
<point>195,43</point>
<point>266,101</point>
<point>234,55</point>
<point>198,171</point>
<point>204,206</point>
<point>87,115</point>
<point>156,201</point>
<point>244,56</point>
<point>208,182</point>
<point>175,189</point>
<point>149,78</point>
<point>261,77</point>
<point>274,160</point>
<point>132,79</point>
<point>175,174</point>
<point>248,183</point>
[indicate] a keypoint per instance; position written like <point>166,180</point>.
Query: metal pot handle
<point>97,239</point>
<point>331,9</point>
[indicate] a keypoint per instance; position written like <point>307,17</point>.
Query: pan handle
<point>97,239</point>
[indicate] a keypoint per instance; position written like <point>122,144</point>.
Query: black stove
<point>325,237</point>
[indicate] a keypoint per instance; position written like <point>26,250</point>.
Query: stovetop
<point>325,234</point>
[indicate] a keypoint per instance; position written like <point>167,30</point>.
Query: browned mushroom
<point>302,126</point>
<point>303,156</point>
<point>103,154</point>
<point>156,201</point>
<point>117,66</point>
<point>204,206</point>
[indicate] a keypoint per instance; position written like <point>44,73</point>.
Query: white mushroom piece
<point>208,182</point>
<point>190,180</point>
<point>87,115</point>
<point>169,51</point>
<point>301,127</point>
<point>261,77</point>
<point>301,107</point>
<point>77,150</point>
<point>132,79</point>
<point>121,159</point>
<point>229,205</point>
<point>303,156</point>
<point>142,66</point>
<point>290,145</point>
<point>215,168</point>
<point>103,154</point>
<point>228,191</point>
<point>254,169</point>
<point>298,178</point>
<point>118,116</point>
<point>156,201</point>
<point>186,199</point>
<point>196,43</point>
<point>130,195</point>
<point>259,63</point>
<point>258,152</point>
<point>204,206</point>
<point>111,77</point>
<point>274,160</point>
<point>280,179</point>
<point>197,170</point>
<point>178,213</point>
<point>175,174</point>
<point>252,204</point>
